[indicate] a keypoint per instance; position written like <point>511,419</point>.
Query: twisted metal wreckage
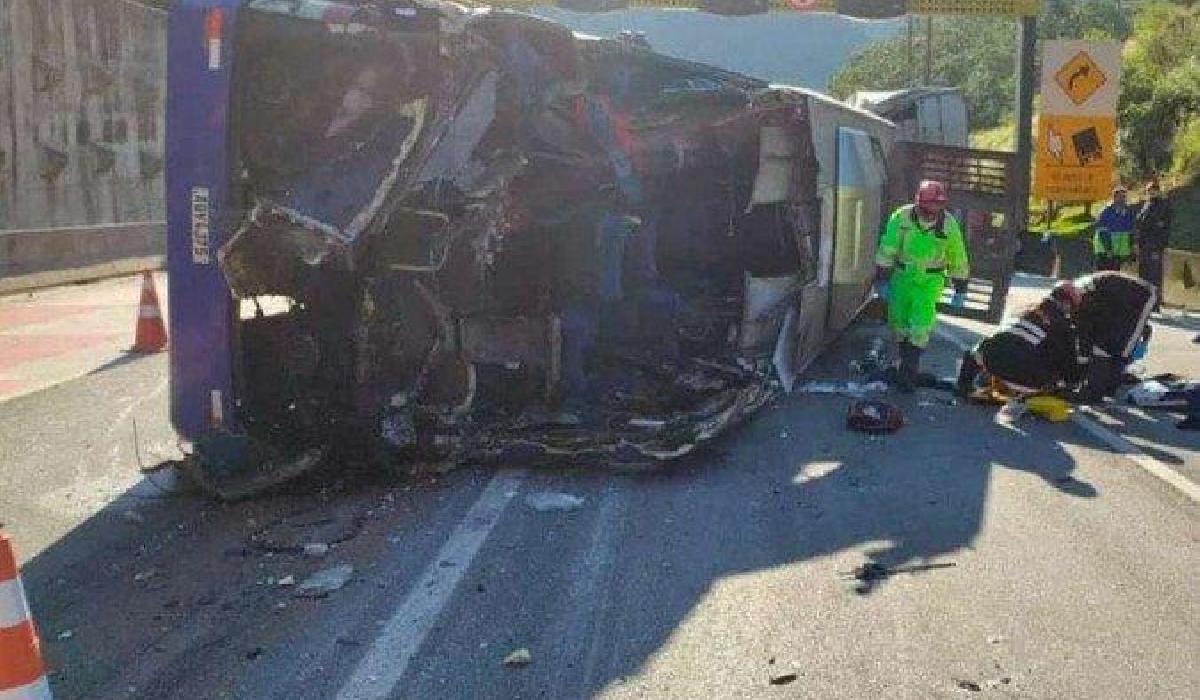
<point>497,241</point>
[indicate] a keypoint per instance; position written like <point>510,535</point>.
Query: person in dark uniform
<point>1113,325</point>
<point>1038,353</point>
<point>1152,229</point>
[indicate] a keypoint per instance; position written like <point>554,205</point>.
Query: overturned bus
<point>421,234</point>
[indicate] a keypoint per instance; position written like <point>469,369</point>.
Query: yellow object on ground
<point>1051,408</point>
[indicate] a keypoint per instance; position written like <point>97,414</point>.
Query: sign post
<point>1077,130</point>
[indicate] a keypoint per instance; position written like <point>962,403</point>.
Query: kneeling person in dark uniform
<point>1038,353</point>
<point>1113,325</point>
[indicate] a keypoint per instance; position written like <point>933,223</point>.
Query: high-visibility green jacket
<point>910,246</point>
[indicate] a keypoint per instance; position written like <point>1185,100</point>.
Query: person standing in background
<point>1112,243</point>
<point>1152,230</point>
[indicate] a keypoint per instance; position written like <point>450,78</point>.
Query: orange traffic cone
<point>151,334</point>
<point>22,673</point>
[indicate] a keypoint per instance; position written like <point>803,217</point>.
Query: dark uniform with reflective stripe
<point>1038,352</point>
<point>1111,320</point>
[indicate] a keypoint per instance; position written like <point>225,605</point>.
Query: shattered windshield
<point>329,119</point>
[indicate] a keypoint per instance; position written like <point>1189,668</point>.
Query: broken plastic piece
<point>874,417</point>
<point>518,658</point>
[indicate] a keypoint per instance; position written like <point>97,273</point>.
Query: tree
<point>1159,109</point>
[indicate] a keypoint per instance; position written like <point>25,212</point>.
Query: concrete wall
<point>81,113</point>
<point>1181,283</point>
<point>48,257</point>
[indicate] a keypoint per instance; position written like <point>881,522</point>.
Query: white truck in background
<point>936,115</point>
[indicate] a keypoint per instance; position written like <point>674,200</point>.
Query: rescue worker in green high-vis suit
<point>922,246</point>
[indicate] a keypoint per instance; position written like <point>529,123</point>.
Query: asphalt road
<point>1047,564</point>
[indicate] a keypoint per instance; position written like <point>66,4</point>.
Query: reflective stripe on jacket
<point>908,243</point>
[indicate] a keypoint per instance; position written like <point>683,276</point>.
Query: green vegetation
<point>1158,114</point>
<point>976,55</point>
<point>1160,92</point>
<point>997,138</point>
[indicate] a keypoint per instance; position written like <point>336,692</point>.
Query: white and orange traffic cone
<point>151,333</point>
<point>22,673</point>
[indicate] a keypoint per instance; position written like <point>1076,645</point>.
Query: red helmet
<point>931,193</point>
<point>1068,294</point>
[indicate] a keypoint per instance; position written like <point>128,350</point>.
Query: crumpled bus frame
<point>468,236</point>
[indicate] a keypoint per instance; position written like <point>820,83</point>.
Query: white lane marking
<point>384,664</point>
<point>1151,465</point>
<point>589,598</point>
<point>1123,447</point>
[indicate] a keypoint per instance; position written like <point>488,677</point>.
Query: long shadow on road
<point>600,595</point>
<point>177,606</point>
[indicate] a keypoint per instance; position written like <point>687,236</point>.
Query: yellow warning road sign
<point>1075,158</point>
<point>1080,78</point>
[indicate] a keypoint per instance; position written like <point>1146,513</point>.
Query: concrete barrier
<point>45,257</point>
<point>1181,284</point>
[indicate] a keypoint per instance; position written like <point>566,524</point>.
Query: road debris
<point>852,389</point>
<point>874,571</point>
<point>308,535</point>
<point>972,686</point>
<point>547,501</point>
<point>66,634</point>
<point>874,417</point>
<point>288,580</point>
<point>1163,392</point>
<point>146,575</point>
<point>783,678</point>
<point>326,581</point>
<point>518,658</point>
<point>316,549</point>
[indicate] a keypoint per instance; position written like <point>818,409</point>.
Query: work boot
<point>910,365</point>
<point>968,371</point>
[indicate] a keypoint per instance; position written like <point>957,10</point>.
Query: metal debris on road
<point>316,549</point>
<point>783,678</point>
<point>518,658</point>
<point>852,389</point>
<point>548,501</point>
<point>326,581</point>
<point>146,575</point>
<point>874,571</point>
<point>66,634</point>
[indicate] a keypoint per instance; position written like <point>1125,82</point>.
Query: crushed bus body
<point>446,236</point>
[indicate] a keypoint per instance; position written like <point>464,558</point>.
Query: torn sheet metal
<point>486,220</point>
